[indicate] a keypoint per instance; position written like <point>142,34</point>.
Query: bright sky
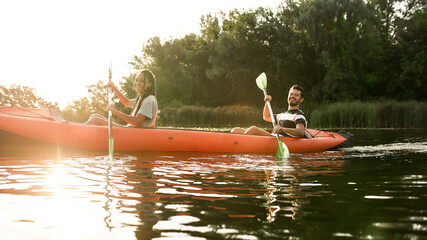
<point>59,47</point>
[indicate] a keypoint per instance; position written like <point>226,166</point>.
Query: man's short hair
<point>299,88</point>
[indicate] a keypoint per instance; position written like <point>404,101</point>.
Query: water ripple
<point>348,193</point>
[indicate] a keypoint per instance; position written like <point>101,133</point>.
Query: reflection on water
<point>371,191</point>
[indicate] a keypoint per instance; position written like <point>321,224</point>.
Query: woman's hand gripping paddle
<point>282,151</point>
<point>110,119</point>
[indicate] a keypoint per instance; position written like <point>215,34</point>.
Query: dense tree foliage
<point>338,50</point>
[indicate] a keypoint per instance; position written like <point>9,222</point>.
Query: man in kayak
<point>291,122</point>
<point>144,112</point>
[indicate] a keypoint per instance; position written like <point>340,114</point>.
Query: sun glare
<point>46,47</point>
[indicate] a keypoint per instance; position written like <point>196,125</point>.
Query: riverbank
<point>384,114</point>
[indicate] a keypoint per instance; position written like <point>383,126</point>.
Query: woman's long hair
<point>147,77</point>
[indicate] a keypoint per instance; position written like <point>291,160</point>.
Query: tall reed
<point>200,116</point>
<point>386,114</point>
<point>357,114</point>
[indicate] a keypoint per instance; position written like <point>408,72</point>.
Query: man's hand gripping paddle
<point>282,151</point>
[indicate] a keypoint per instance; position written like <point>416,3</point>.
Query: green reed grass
<point>200,116</point>
<point>357,114</point>
<point>387,114</point>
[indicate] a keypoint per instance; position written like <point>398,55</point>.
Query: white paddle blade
<point>261,81</point>
<point>110,71</point>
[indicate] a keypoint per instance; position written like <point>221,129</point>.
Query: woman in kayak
<point>144,112</point>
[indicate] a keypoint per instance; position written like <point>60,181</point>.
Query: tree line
<point>338,50</point>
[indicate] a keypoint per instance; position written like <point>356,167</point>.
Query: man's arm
<point>296,132</point>
<point>266,114</point>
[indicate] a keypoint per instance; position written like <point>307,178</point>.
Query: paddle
<point>110,119</point>
<point>282,150</point>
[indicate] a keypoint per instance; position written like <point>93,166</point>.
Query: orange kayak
<point>44,125</point>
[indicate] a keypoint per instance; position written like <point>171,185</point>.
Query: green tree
<point>77,111</point>
<point>171,62</point>
<point>95,103</point>
<point>397,18</point>
<point>97,100</point>
<point>219,67</point>
<point>344,35</point>
<point>411,49</point>
<point>22,96</point>
<point>339,50</point>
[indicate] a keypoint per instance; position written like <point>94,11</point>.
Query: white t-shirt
<point>148,108</point>
<point>291,118</point>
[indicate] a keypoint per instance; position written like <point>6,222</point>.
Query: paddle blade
<point>282,150</point>
<point>110,72</point>
<point>261,81</point>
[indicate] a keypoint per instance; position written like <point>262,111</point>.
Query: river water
<point>375,190</point>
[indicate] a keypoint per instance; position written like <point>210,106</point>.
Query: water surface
<point>375,190</point>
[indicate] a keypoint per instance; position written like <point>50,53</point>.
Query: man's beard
<point>294,103</point>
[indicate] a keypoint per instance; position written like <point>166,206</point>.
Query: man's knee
<point>253,130</point>
<point>237,130</point>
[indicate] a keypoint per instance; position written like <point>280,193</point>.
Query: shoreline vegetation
<point>352,114</point>
<point>356,114</point>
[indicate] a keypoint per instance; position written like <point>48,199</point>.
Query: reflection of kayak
<point>44,125</point>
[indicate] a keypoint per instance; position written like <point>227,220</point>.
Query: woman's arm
<point>134,120</point>
<point>121,97</point>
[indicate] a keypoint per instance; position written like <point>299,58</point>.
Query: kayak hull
<point>45,128</point>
